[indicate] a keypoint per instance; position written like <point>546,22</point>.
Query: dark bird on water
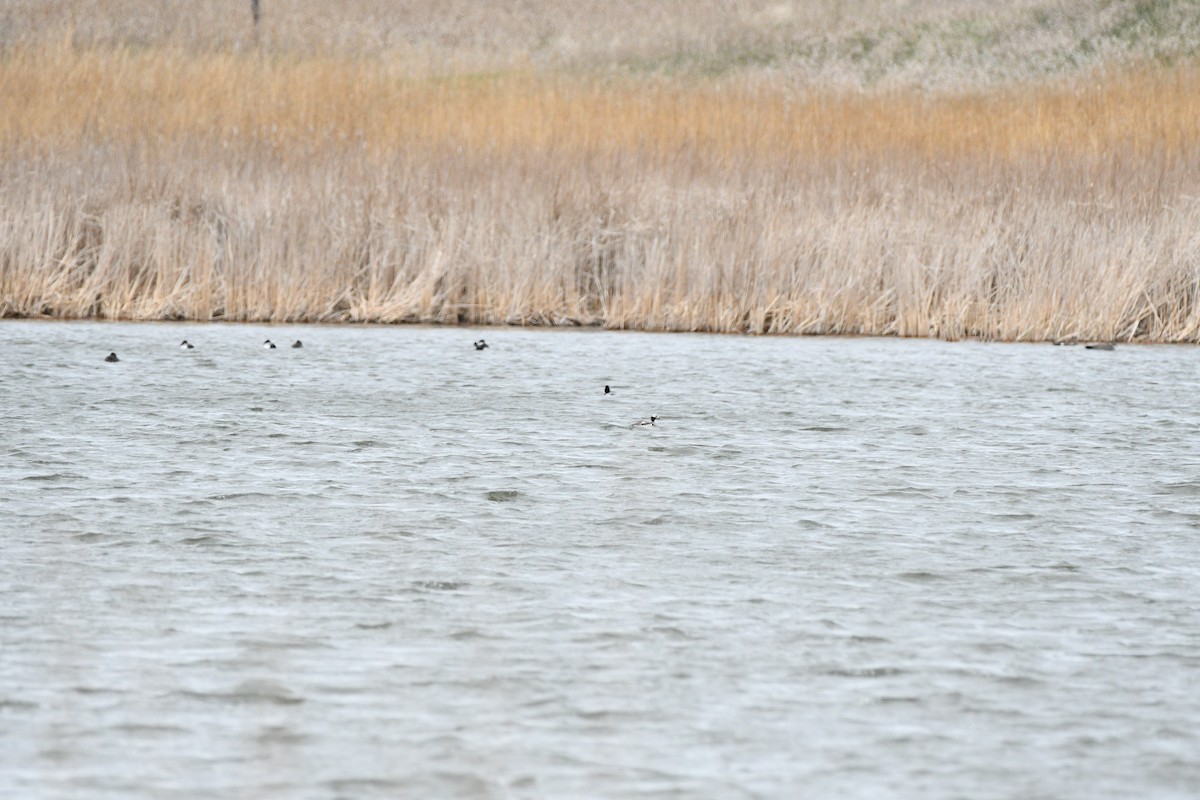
<point>269,345</point>
<point>1101,347</point>
<point>607,390</point>
<point>297,344</point>
<point>481,344</point>
<point>186,345</point>
<point>111,357</point>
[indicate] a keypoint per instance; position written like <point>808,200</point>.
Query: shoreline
<point>594,328</point>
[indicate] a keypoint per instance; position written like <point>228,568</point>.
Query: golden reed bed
<point>170,182</point>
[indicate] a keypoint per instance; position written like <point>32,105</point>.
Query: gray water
<point>387,565</point>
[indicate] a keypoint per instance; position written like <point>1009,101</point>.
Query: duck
<point>607,390</point>
<point>296,344</point>
<point>645,423</point>
<point>1106,346</point>
<point>111,358</point>
<point>269,345</point>
<point>481,344</point>
<point>186,345</point>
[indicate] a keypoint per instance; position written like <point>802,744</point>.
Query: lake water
<point>387,565</point>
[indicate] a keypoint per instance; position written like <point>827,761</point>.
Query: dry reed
<point>164,182</point>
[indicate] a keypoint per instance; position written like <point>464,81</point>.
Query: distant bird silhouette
<point>1101,347</point>
<point>269,345</point>
<point>297,343</point>
<point>186,345</point>
<point>607,390</point>
<point>481,344</point>
<point>111,357</point>
<point>645,423</point>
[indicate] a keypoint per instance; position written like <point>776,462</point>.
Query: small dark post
<point>254,12</point>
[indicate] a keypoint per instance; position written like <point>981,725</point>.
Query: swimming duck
<point>296,344</point>
<point>186,345</point>
<point>607,390</point>
<point>481,344</point>
<point>111,357</point>
<point>269,345</point>
<point>645,423</point>
<point>1100,347</point>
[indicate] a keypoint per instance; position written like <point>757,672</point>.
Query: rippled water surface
<point>387,565</point>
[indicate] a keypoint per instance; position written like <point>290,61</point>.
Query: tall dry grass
<point>165,182</point>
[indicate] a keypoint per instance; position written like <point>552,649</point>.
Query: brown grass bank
<point>163,182</point>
